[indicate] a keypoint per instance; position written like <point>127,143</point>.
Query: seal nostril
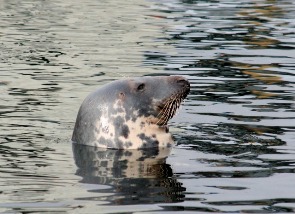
<point>182,82</point>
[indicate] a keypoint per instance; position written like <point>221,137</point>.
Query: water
<point>235,133</point>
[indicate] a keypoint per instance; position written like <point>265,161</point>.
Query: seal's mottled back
<point>130,113</point>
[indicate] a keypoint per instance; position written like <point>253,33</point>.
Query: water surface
<point>235,133</point>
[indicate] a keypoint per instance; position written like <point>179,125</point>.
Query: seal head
<point>130,113</point>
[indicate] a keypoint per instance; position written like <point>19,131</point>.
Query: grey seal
<point>130,113</point>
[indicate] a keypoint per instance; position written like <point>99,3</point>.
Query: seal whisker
<point>169,109</point>
<point>171,113</point>
<point>163,114</point>
<point>163,111</point>
<point>177,102</point>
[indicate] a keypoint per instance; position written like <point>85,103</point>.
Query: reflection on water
<point>135,176</point>
<point>235,132</point>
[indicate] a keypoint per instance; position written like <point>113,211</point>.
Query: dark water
<point>235,133</point>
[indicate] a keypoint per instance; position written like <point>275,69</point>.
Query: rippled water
<point>235,133</point>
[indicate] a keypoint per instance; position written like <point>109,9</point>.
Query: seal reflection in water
<point>135,176</point>
<point>130,113</point>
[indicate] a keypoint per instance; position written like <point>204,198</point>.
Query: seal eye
<point>140,87</point>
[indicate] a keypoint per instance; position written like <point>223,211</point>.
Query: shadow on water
<point>135,176</point>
